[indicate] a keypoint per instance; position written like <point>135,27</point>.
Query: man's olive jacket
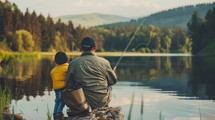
<point>95,75</point>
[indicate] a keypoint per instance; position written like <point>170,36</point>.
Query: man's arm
<point>111,76</point>
<point>70,78</point>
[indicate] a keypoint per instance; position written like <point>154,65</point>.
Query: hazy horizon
<point>126,8</point>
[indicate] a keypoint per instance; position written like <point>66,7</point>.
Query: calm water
<point>150,87</point>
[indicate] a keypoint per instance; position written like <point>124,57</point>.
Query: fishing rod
<point>129,43</point>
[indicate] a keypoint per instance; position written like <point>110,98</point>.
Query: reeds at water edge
<point>130,109</point>
<point>5,99</point>
<point>48,113</point>
<point>200,113</point>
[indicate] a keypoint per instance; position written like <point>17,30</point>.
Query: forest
<point>202,32</point>
<point>178,17</point>
<point>21,32</point>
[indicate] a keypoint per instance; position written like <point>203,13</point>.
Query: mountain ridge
<point>175,17</point>
<point>92,19</point>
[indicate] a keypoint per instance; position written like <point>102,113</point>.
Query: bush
<point>100,50</point>
<point>143,50</point>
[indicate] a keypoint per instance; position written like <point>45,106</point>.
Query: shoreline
<point>120,54</point>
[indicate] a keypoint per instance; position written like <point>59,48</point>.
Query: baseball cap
<point>87,43</point>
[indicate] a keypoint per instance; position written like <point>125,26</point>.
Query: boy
<point>58,76</point>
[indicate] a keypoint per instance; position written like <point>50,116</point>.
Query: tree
<point>166,43</point>
<point>23,41</point>
<point>70,39</point>
<point>156,44</point>
<point>59,42</point>
<point>209,36</point>
<point>27,21</point>
<point>8,19</point>
<point>43,32</point>
<point>195,27</point>
<point>36,30</point>
<point>17,18</point>
<point>48,33</point>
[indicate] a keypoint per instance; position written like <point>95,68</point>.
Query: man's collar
<point>88,53</point>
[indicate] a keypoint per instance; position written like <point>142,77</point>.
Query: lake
<point>150,87</point>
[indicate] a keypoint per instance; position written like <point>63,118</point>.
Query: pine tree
<point>195,27</point>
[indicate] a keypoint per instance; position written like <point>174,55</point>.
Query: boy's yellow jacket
<point>58,75</point>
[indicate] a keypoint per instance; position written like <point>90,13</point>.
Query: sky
<point>126,8</point>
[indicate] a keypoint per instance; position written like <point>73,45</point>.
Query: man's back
<point>92,73</point>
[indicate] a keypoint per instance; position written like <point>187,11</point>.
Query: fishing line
<point>143,43</point>
<point>150,37</point>
<point>129,43</point>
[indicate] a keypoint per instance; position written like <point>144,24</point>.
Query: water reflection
<point>168,83</point>
<point>202,77</point>
<point>28,77</point>
<point>158,105</point>
<point>186,75</point>
<point>149,68</point>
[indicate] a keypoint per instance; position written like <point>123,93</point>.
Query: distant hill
<point>92,19</point>
<point>178,17</point>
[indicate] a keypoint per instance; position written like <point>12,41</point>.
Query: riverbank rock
<point>105,113</point>
<point>7,115</point>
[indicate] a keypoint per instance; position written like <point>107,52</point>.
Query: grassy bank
<point>76,53</point>
<point>6,56</point>
<point>9,55</point>
<point>19,54</point>
<point>119,54</point>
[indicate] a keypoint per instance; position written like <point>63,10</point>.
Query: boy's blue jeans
<point>59,103</point>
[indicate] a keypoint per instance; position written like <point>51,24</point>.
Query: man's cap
<point>87,43</point>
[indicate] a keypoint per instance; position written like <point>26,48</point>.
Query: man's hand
<point>114,68</point>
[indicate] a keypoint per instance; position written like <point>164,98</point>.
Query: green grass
<point>5,99</point>
<point>48,113</point>
<point>6,56</point>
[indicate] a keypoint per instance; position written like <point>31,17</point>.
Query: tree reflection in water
<point>30,77</point>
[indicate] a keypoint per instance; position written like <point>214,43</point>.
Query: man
<point>94,74</point>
